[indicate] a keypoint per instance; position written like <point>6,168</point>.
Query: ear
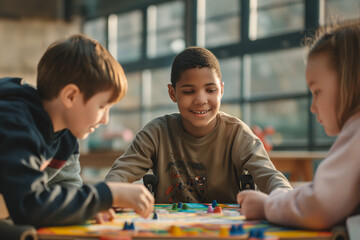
<point>69,94</point>
<point>171,91</point>
<point>222,88</point>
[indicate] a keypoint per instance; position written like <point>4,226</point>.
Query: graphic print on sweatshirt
<point>188,179</point>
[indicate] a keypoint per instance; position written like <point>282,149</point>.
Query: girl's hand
<point>252,204</point>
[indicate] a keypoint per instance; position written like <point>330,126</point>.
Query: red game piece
<point>218,209</point>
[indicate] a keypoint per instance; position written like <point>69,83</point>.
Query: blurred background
<point>259,43</point>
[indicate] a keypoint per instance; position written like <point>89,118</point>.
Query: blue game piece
<point>155,216</point>
<point>252,233</point>
<point>237,230</point>
<point>240,229</point>
<point>126,226</point>
<point>260,234</point>
<point>214,203</point>
<point>257,234</point>
<point>132,226</point>
<point>233,230</point>
<point>179,205</point>
<point>129,226</point>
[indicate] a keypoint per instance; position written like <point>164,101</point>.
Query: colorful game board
<point>190,222</point>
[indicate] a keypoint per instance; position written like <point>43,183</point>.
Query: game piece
<point>257,234</point>
<point>155,216</point>
<point>129,226</point>
<point>214,203</point>
<point>175,230</point>
<point>233,230</point>
<point>218,209</point>
<point>126,226</point>
<point>252,234</point>
<point>224,232</point>
<point>210,209</point>
<point>179,205</point>
<point>185,206</point>
<point>174,206</point>
<point>240,229</point>
<point>237,230</point>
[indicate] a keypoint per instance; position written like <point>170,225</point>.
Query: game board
<point>193,223</point>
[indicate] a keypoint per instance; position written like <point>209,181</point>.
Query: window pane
<point>223,31</point>
<point>272,73</point>
<point>275,17</point>
<point>166,29</point>
<point>231,70</point>
<point>127,36</point>
<point>160,78</point>
<point>288,117</point>
<point>96,29</point>
<point>132,98</point>
<point>341,10</point>
<point>216,8</point>
<point>218,22</point>
<point>129,49</point>
<point>129,24</point>
<point>169,42</point>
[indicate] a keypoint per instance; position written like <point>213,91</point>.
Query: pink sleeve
<point>334,193</point>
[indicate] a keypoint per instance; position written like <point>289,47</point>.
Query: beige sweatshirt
<point>194,169</point>
<point>334,194</point>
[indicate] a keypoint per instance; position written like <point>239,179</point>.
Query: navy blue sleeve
<point>29,199</point>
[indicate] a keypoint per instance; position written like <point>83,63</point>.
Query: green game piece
<point>174,206</point>
<point>185,206</point>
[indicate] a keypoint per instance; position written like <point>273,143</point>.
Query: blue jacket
<point>28,144</point>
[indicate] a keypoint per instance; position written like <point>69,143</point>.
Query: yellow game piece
<point>175,230</point>
<point>224,232</point>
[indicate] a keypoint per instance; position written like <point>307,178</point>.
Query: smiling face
<point>323,83</point>
<point>84,118</point>
<point>198,95</point>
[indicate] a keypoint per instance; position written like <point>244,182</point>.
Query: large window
<point>259,44</point>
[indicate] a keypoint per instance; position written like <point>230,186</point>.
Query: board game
<point>181,221</point>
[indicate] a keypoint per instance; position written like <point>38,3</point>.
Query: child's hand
<point>135,196</point>
<point>105,216</point>
<point>252,204</point>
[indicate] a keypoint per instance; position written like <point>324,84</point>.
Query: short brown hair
<point>193,57</point>
<point>84,62</point>
<point>341,42</point>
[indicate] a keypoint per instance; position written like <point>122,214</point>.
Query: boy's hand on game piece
<point>134,196</point>
<point>252,204</point>
<point>105,216</point>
